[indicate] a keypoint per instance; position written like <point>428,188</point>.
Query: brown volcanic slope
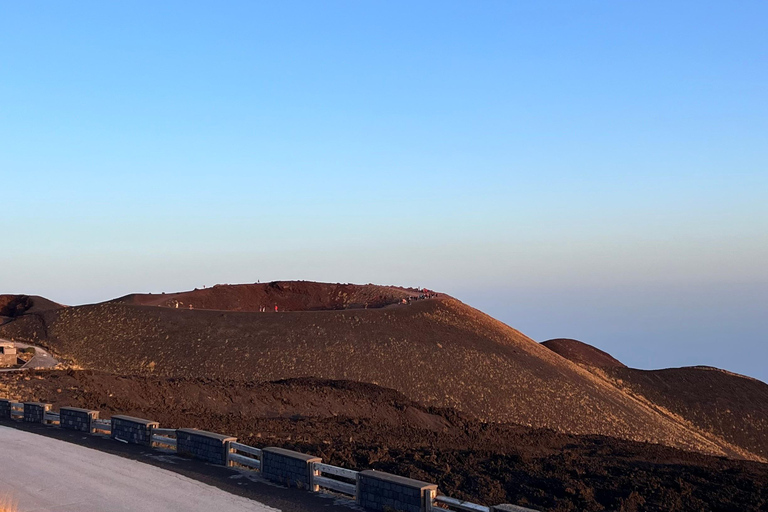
<point>438,352</point>
<point>729,405</point>
<point>286,295</point>
<point>581,353</point>
<point>726,404</point>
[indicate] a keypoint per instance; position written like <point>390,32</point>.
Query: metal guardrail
<point>335,485</point>
<point>246,449</point>
<point>323,476</point>
<point>249,462</point>
<point>104,426</point>
<point>463,506</point>
<point>17,410</point>
<point>52,418</point>
<point>253,462</point>
<point>164,440</point>
<point>349,488</point>
<point>336,471</point>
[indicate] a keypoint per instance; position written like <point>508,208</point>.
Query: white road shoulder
<point>41,474</point>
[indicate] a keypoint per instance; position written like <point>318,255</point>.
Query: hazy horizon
<point>587,170</point>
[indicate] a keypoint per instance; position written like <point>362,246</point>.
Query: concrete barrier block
<point>133,430</point>
<point>199,444</point>
<point>288,467</point>
<point>379,491</point>
<point>74,418</point>
<point>5,409</point>
<point>34,412</point>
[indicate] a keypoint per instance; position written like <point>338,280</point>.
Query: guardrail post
<point>429,499</point>
<point>357,490</point>
<point>227,450</point>
<point>313,472</point>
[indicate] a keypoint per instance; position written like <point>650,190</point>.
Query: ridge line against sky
<point>582,169</point>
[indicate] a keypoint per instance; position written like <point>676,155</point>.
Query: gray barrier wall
<point>34,412</point>
<point>74,418</point>
<point>381,491</point>
<point>5,409</point>
<point>203,445</point>
<point>133,430</point>
<point>374,491</point>
<point>287,467</point>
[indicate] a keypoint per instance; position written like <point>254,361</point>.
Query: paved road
<point>48,475</point>
<point>42,358</point>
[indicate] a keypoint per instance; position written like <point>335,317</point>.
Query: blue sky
<point>595,170</point>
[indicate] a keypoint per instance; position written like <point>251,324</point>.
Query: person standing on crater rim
<point>275,308</point>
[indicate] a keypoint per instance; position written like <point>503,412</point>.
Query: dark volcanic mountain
<point>438,352</point>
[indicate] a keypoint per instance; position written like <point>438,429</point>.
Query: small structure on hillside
<point>7,355</point>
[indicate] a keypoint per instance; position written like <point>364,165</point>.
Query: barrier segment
<point>5,409</point>
<point>288,467</point>
<point>133,430</point>
<point>373,490</point>
<point>74,418</point>
<point>506,507</point>
<point>207,446</point>
<point>379,491</point>
<point>34,412</point>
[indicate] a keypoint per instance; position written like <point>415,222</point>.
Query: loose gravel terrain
<point>362,426</point>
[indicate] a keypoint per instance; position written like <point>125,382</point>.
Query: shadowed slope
<point>725,404</point>
<point>17,305</point>
<point>438,352</point>
<point>729,405</point>
<point>582,353</point>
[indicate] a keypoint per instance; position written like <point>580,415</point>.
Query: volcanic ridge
<point>416,366</point>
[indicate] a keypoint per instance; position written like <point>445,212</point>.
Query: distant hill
<point>729,405</point>
<point>12,306</point>
<point>726,404</point>
<point>582,353</point>
<point>438,352</point>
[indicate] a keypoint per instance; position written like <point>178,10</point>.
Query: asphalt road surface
<point>40,474</point>
<point>42,358</point>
